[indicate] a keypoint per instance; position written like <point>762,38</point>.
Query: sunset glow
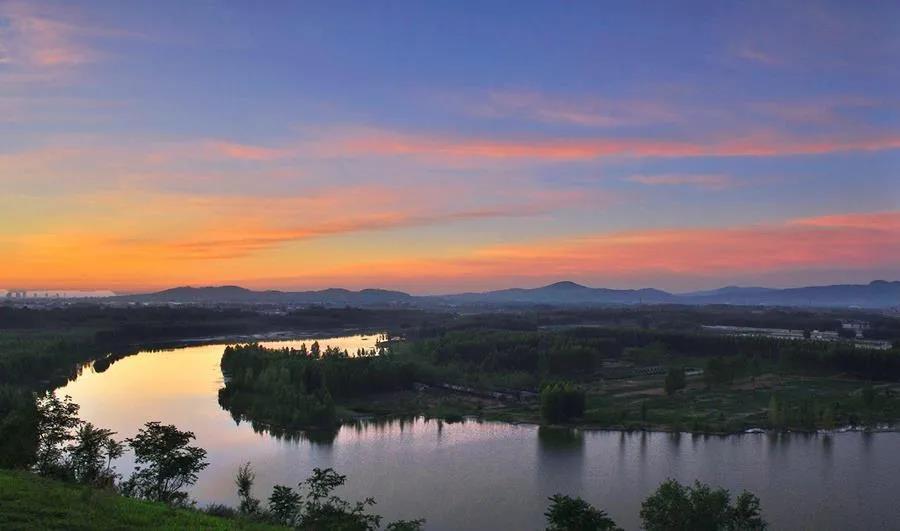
<point>435,148</point>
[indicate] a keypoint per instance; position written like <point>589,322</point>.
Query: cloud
<point>755,55</point>
<point>709,181</point>
<point>36,38</point>
<point>854,242</point>
<point>869,221</point>
<point>247,239</point>
<point>763,144</point>
<point>578,111</point>
<point>232,150</point>
<point>850,242</point>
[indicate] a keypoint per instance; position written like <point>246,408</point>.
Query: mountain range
<point>876,294</point>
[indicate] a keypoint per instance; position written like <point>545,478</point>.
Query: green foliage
<point>319,509</point>
<point>655,353</point>
<point>18,427</point>
<point>57,418</point>
<point>244,481</point>
<point>561,402</point>
<point>675,380</point>
<point>574,514</point>
<point>868,395</point>
<point>284,504</point>
<point>322,510</point>
<point>169,463</point>
<point>677,507</point>
<point>92,454</point>
<point>776,412</point>
<point>722,371</point>
<point>295,388</point>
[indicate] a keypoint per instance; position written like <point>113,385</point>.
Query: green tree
<point>284,504</point>
<point>244,482</point>
<point>677,507</point>
<point>806,414</point>
<point>776,412</point>
<point>169,463</point>
<point>719,371</point>
<point>92,453</point>
<point>574,514</point>
<point>322,510</point>
<point>561,402</point>
<point>57,420</point>
<point>675,380</point>
<point>868,395</point>
<point>746,514</point>
<point>18,427</point>
<point>828,420</point>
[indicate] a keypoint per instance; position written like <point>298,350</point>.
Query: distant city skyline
<point>447,147</point>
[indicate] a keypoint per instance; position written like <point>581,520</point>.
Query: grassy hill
<point>31,502</point>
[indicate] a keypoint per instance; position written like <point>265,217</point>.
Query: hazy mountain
<point>876,294</point>
<point>236,294</point>
<point>560,293</point>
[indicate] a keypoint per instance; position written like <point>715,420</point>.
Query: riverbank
<point>641,405</point>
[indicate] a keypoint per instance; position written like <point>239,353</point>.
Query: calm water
<point>493,475</point>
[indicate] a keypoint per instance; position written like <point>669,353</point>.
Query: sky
<point>437,147</point>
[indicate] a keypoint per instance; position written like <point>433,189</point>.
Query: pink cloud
<point>586,112</point>
<point>35,38</point>
<point>237,151</point>
<point>710,181</point>
<point>387,143</point>
<point>671,254</point>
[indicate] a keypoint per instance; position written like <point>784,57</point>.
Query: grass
<point>31,502</point>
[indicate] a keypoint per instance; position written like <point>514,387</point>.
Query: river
<point>489,475</point>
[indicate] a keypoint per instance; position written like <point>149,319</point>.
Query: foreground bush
<point>574,514</point>
<point>677,507</point>
<point>673,507</point>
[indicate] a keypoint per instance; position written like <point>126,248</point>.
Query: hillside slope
<point>31,502</point>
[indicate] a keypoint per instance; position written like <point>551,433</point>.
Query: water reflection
<point>318,437</point>
<point>555,439</point>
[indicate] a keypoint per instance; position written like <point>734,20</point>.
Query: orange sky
<point>144,147</point>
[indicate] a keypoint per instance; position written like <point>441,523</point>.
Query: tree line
<point>297,388</point>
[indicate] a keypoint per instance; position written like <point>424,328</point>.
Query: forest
<point>626,377</point>
<point>503,360</point>
<point>297,388</point>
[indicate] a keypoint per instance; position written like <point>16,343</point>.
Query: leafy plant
<point>170,463</point>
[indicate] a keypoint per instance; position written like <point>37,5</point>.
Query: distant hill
<point>236,294</point>
<point>876,294</point>
<point>561,293</point>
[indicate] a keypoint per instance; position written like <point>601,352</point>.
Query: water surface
<point>493,475</point>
